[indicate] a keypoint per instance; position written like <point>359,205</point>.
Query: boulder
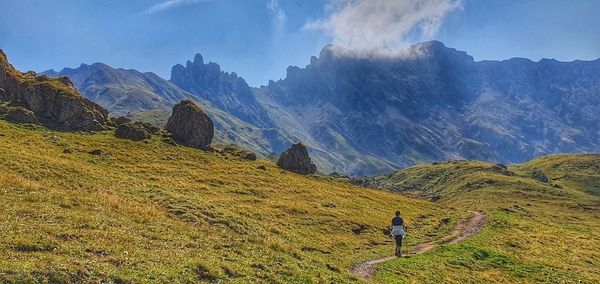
<point>150,128</point>
<point>539,175</point>
<point>21,115</point>
<point>240,153</point>
<point>54,101</point>
<point>122,120</point>
<point>296,159</point>
<point>190,125</point>
<point>132,131</point>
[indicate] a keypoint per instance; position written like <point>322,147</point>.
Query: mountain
<point>29,98</point>
<point>226,91</point>
<point>372,112</point>
<point>123,91</point>
<point>148,97</point>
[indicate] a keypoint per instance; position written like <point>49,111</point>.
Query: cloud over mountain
<point>365,24</point>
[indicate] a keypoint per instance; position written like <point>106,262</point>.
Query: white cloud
<point>170,4</point>
<point>279,17</point>
<point>366,24</point>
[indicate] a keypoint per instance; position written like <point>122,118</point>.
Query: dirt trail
<point>465,229</point>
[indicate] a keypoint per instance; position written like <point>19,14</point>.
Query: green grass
<point>536,232</point>
<point>154,212</point>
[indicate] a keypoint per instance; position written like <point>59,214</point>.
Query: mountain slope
<point>537,231</point>
<point>155,213</point>
<point>377,111</point>
<point>225,90</point>
<point>122,91</point>
<point>148,97</point>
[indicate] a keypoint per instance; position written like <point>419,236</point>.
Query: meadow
<point>83,207</point>
<point>88,207</point>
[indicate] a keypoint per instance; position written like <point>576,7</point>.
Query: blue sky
<point>258,39</point>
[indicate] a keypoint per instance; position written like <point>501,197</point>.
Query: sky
<point>259,39</point>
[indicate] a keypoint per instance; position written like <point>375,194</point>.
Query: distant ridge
<point>373,112</point>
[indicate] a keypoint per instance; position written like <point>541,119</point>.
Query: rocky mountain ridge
<point>364,113</point>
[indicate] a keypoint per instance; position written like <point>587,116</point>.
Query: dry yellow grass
<point>154,212</point>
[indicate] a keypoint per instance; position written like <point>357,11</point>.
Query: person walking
<point>398,232</point>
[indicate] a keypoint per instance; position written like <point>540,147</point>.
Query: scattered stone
<point>435,198</point>
<point>132,131</point>
<point>122,120</point>
<point>539,175</point>
<point>190,125</point>
<point>96,152</point>
<point>502,169</point>
<point>67,151</point>
<point>240,152</point>
<point>21,115</point>
<point>296,159</point>
<point>261,167</point>
<point>151,128</point>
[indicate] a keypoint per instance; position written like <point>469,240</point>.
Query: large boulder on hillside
<point>296,159</point>
<point>54,101</point>
<point>190,125</point>
<point>132,131</point>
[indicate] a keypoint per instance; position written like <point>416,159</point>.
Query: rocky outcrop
<point>20,115</point>
<point>190,125</point>
<point>132,131</point>
<point>54,102</point>
<point>296,159</point>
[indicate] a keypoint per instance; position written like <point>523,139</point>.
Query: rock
<point>67,151</point>
<point>151,128</point>
<point>122,120</point>
<point>240,152</point>
<point>132,131</point>
<point>96,152</point>
<point>502,169</point>
<point>190,125</point>
<point>262,167</point>
<point>54,101</point>
<point>539,175</point>
<point>296,159</point>
<point>21,115</point>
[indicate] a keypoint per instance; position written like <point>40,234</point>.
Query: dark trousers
<point>398,239</point>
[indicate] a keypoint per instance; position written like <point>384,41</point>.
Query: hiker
<point>398,232</point>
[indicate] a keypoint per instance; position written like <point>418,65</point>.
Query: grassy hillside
<point>159,213</point>
<point>536,232</point>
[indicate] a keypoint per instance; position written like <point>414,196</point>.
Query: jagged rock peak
<point>198,59</point>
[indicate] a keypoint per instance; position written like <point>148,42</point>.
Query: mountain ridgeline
<point>365,113</point>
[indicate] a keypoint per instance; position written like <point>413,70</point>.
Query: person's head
<point>398,213</point>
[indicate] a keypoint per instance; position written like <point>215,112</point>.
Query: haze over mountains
<point>375,112</point>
